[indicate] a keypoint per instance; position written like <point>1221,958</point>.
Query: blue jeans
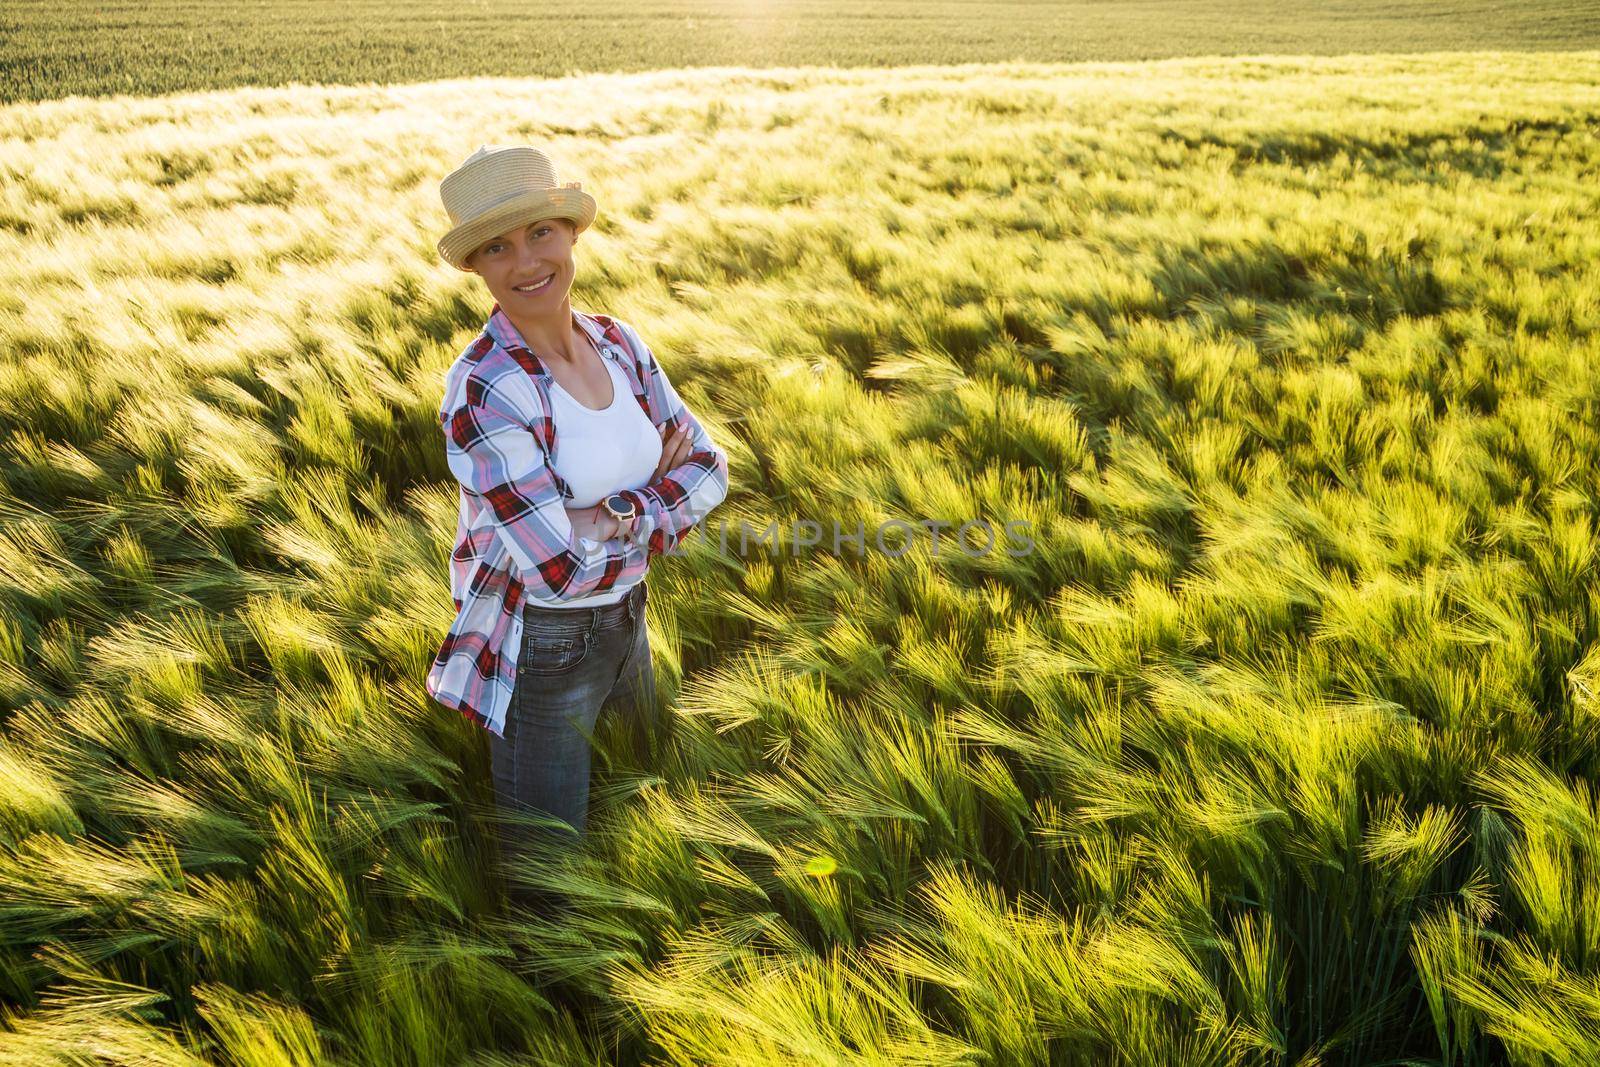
<point>573,663</point>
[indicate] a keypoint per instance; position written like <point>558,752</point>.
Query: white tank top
<point>599,453</point>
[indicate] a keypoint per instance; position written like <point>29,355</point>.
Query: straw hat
<point>498,186</point>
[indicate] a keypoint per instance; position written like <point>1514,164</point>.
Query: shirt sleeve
<point>670,506</point>
<point>492,451</point>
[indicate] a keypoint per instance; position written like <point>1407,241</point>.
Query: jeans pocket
<point>546,653</point>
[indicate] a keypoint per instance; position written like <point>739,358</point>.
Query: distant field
<point>1278,749</point>
<point>54,49</point>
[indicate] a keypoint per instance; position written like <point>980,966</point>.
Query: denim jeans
<point>574,662</point>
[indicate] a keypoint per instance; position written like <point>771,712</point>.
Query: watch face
<point>619,505</point>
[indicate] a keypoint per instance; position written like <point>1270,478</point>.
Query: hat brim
<point>574,205</point>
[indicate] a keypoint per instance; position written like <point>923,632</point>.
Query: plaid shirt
<point>513,533</point>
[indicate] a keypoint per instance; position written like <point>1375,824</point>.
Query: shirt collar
<point>505,334</point>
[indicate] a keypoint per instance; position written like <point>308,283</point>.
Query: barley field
<point>50,49</point>
<point>1279,746</point>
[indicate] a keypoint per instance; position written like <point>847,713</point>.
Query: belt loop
<point>630,599</point>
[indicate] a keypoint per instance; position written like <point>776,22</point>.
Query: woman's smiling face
<point>526,256</point>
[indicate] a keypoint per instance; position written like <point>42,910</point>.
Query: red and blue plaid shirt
<point>514,535</point>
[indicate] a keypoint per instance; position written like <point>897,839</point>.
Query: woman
<point>578,465</point>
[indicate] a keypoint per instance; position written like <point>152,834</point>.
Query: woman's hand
<point>674,449</point>
<point>596,523</point>
<point>586,522</point>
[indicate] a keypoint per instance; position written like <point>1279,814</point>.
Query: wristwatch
<point>621,507</point>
